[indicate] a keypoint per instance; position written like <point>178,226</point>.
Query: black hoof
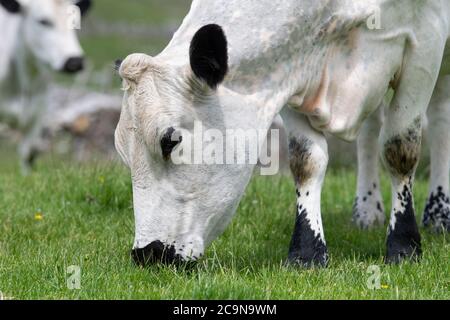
<point>307,248</point>
<point>319,260</point>
<point>403,244</point>
<point>407,254</point>
<point>403,241</point>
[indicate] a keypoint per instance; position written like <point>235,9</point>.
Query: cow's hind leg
<point>401,141</point>
<point>401,154</point>
<point>368,209</point>
<point>308,157</point>
<point>437,208</point>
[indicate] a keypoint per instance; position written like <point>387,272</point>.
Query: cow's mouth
<point>159,253</point>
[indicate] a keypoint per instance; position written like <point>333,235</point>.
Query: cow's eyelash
<point>46,22</point>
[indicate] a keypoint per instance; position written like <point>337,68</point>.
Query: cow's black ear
<point>12,6</point>
<point>209,54</point>
<point>84,6</point>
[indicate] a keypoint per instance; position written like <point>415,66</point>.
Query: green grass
<point>103,49</point>
<point>88,221</point>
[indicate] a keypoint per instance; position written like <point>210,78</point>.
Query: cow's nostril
<point>155,252</point>
<point>74,64</point>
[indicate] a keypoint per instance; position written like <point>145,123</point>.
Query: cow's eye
<point>169,141</point>
<point>46,23</point>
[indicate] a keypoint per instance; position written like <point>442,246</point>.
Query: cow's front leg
<point>437,209</point>
<point>368,209</point>
<point>308,157</point>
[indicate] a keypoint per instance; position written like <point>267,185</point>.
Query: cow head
<point>47,30</point>
<point>180,206</point>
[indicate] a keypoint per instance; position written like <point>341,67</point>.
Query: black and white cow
<point>235,65</point>
<point>35,35</point>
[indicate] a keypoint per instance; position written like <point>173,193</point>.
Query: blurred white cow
<point>37,37</point>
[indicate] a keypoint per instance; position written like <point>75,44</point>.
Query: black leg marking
<point>306,249</point>
<point>368,210</point>
<point>403,240</point>
<point>437,211</point>
<point>379,207</point>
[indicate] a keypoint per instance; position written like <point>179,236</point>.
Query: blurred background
<point>84,109</point>
<point>112,30</point>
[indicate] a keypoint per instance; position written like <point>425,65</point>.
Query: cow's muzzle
<point>73,65</point>
<point>157,252</point>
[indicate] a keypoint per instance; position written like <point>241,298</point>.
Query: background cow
<point>368,207</point>
<point>36,36</point>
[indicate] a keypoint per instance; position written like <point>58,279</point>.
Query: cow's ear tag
<point>12,6</point>
<point>208,55</point>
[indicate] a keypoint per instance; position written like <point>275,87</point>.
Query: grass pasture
<point>66,214</point>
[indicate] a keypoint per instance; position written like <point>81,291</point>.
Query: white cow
<point>234,65</point>
<point>368,207</point>
<point>35,34</point>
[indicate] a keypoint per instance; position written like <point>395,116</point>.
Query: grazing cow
<point>368,207</point>
<point>35,34</point>
<point>234,65</point>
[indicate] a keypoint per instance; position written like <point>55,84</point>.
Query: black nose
<point>156,252</point>
<point>74,65</point>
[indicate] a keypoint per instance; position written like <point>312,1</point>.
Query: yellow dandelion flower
<point>38,216</point>
<point>384,286</point>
